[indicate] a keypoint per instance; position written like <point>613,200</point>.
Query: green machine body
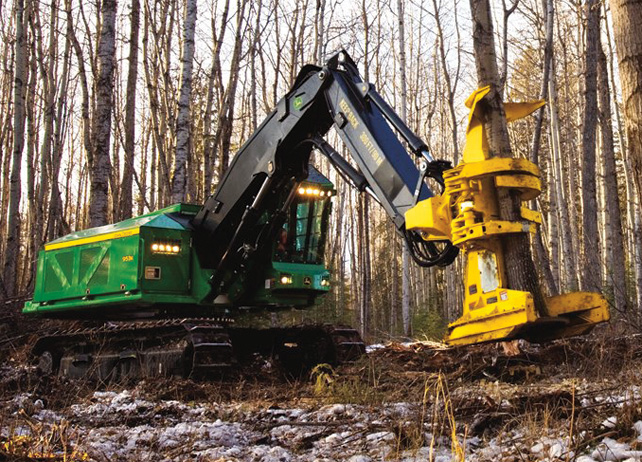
<point>150,267</point>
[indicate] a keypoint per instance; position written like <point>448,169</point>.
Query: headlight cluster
<point>314,192</point>
<point>285,279</point>
<point>171,248</point>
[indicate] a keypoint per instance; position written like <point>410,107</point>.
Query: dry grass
<point>27,439</point>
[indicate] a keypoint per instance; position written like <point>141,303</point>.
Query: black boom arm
<point>275,159</point>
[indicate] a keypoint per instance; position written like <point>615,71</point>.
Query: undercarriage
<point>189,348</point>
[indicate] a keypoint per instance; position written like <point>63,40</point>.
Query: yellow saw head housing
<point>467,213</point>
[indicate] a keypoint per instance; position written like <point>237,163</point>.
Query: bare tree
<point>12,247</point>
<point>590,257</point>
<point>614,242</point>
<point>507,11</point>
<point>319,27</point>
<point>540,251</point>
<point>156,66</point>
<point>100,165</point>
<point>405,256</point>
<point>179,179</point>
<point>363,213</point>
<point>223,135</point>
<point>130,114</point>
<point>548,58</point>
<point>567,257</point>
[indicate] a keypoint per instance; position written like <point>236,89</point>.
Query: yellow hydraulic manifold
<point>467,213</point>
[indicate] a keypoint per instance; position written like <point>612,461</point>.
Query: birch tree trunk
<point>36,207</point>
<point>568,267</point>
<point>405,260</point>
<point>130,115</point>
<point>19,95</point>
<point>637,236</point>
<point>223,136</point>
<point>58,224</point>
<point>627,18</point>
<point>179,178</point>
<point>548,58</point>
<point>363,210</point>
<point>520,269</point>
<point>590,254</point>
<point>215,85</point>
<point>100,164</point>
<point>254,51</point>
<point>633,250</point>
<point>319,35</point>
<point>616,272</point>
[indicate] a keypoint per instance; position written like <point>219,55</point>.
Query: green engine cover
<point>117,265</point>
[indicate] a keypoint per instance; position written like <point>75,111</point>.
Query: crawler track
<point>198,348</point>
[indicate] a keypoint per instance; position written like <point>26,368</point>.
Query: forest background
<point>111,110</point>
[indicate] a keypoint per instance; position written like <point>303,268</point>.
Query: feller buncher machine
<point>168,285</point>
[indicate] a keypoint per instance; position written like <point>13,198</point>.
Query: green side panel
<point>93,269</point>
<point>58,272</point>
<point>54,277</point>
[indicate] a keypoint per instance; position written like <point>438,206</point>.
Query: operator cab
<point>302,237</point>
<point>297,274</point>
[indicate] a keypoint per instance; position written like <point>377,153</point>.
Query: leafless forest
<point>112,109</point>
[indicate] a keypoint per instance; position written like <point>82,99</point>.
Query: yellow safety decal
<point>91,239</point>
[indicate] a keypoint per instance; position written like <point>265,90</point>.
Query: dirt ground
<point>579,399</point>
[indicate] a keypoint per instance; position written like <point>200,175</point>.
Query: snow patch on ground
<point>124,425</point>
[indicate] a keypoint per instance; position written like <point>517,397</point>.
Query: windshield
<point>302,237</point>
